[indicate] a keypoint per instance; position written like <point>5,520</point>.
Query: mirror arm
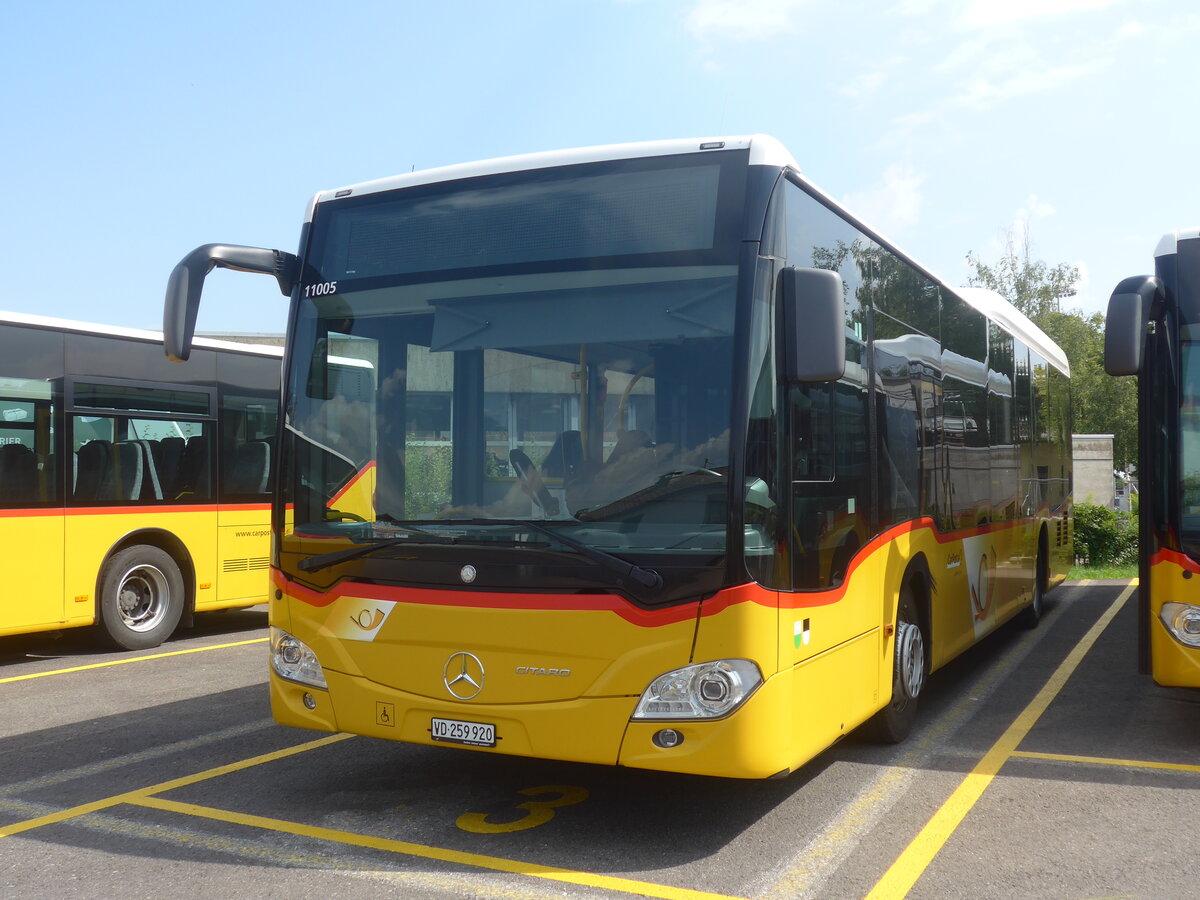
<point>187,282</point>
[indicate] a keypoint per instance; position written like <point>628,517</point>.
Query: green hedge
<point>1105,536</point>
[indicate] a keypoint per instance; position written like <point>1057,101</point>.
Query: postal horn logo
<point>984,588</point>
<point>463,675</point>
<point>368,620</point>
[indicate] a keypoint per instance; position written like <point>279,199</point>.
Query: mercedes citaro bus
<point>649,455</point>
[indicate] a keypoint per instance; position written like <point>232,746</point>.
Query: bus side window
<point>18,474</point>
<point>27,442</point>
<point>247,444</point>
<point>812,432</point>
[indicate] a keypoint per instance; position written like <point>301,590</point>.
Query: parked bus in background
<point>133,493</point>
<point>1153,331</point>
<point>653,456</point>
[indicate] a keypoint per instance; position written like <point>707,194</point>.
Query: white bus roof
<point>764,151</point>
<point>1170,241</point>
<point>999,310</point>
<point>14,318</point>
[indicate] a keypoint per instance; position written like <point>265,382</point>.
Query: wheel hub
<point>910,660</point>
<point>141,598</point>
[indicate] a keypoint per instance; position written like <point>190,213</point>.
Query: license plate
<point>452,731</point>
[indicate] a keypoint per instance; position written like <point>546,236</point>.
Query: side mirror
<point>1129,310</point>
<point>182,302</point>
<point>814,325</point>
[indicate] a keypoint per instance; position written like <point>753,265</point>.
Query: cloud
<point>864,84</point>
<point>893,204</point>
<point>993,68</point>
<point>743,20</point>
<point>1035,208</point>
<point>1088,296</point>
<point>914,7</point>
<point>867,83</point>
<point>989,13</point>
<point>1018,236</point>
<point>982,91</point>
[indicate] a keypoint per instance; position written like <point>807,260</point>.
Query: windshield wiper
<point>666,484</point>
<point>411,536</point>
<point>325,560</point>
<point>646,578</point>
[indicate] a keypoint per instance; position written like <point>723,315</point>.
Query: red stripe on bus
<point>357,477</point>
<point>134,510</point>
<point>801,599</point>
<point>481,600</point>
<point>719,602</point>
<point>1163,555</point>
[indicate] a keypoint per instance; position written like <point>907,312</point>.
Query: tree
<point>1100,404</point>
<point>1030,285</point>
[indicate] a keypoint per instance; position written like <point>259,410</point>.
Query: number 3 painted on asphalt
<point>537,812</point>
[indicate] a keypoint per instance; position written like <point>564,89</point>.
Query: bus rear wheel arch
<point>141,598</point>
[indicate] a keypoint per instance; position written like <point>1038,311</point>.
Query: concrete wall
<point>1092,456</point>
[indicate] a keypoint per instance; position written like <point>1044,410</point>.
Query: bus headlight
<point>294,660</point>
<point>1183,621</point>
<point>703,691</point>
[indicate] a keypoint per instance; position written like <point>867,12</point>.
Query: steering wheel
<point>531,481</point>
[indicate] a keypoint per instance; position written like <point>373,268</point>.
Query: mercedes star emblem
<point>463,675</point>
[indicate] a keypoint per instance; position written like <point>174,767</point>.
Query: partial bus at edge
<point>134,493</point>
<point>1153,332</point>
<point>647,455</point>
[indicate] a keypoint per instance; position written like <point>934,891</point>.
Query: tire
<point>893,723</point>
<point>1032,614</point>
<point>141,598</point>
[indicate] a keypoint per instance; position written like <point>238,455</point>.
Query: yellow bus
<point>1153,324</point>
<point>652,455</point>
<point>133,493</point>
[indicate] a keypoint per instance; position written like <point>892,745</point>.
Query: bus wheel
<point>893,723</point>
<point>1032,614</point>
<point>141,598</point>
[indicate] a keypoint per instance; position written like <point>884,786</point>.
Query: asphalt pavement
<point>1043,765</point>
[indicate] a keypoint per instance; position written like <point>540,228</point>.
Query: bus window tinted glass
<point>27,442</point>
<point>632,211</point>
<point>247,445</point>
<point>95,395</point>
<point>828,423</point>
<point>123,460</point>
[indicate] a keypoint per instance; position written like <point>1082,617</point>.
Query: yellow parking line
<point>475,860</point>
<point>1106,761</point>
<point>133,796</point>
<point>131,659</point>
<point>145,797</point>
<point>898,880</point>
<point>844,833</point>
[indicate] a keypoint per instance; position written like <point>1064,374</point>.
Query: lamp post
<point>1058,300</point>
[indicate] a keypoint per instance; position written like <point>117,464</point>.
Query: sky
<point>134,132</point>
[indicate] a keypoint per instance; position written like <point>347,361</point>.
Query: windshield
<point>553,347</point>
